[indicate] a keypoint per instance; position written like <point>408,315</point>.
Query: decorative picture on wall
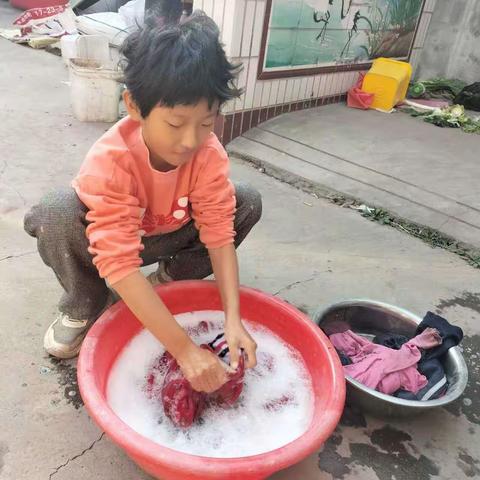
<point>310,36</point>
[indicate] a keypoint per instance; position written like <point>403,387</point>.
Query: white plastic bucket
<point>91,47</point>
<point>95,90</point>
<point>68,46</point>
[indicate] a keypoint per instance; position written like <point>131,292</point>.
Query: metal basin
<point>369,317</point>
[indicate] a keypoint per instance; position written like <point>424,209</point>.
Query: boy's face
<point>173,135</point>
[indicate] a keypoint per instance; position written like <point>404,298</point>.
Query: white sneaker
<point>160,276</point>
<point>64,337</point>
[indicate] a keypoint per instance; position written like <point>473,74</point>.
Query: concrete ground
<point>305,250</point>
<point>423,173</point>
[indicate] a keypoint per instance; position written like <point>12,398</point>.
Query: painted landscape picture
<point>323,33</point>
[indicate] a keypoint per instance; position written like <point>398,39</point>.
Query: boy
<point>154,188</point>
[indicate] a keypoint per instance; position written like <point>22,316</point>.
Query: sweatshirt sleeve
<point>114,229</point>
<point>213,200</point>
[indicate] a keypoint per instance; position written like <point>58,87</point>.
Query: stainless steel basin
<point>369,317</point>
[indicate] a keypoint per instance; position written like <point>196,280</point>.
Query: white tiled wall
<point>429,6</point>
<point>422,33</point>
<point>241,24</point>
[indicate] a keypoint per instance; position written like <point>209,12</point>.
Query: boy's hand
<point>237,338</point>
<point>202,369</point>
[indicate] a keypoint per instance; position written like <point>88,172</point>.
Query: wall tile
<point>282,87</point>
<point>309,87</point>
<point>247,118</point>
<point>257,96</point>
<point>273,93</point>
<point>297,89</point>
<point>241,83</point>
<point>208,7</point>
<point>258,29</point>
<point>236,13</point>
<point>289,90</point>
<point>430,5</point>
<point>237,124</point>
<point>255,118</point>
<point>422,30</point>
<point>218,13</point>
<point>267,86</point>
<point>228,107</point>
<point>322,85</point>
<point>251,66</point>
<point>263,115</point>
<point>247,36</point>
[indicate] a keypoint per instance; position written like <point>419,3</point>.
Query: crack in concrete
<point>4,167</point>
<point>18,255</point>
<point>57,469</point>
<point>22,198</point>
<point>298,282</point>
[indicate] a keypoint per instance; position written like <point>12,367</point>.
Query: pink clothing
<point>385,369</point>
<point>127,198</point>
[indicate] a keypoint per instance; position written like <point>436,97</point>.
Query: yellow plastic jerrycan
<point>388,80</point>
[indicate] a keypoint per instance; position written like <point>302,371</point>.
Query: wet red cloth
<point>182,404</point>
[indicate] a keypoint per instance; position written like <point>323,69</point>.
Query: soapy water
<point>275,407</point>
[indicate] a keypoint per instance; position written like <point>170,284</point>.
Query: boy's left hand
<point>237,337</point>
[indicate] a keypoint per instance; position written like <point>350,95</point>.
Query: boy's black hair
<point>178,64</point>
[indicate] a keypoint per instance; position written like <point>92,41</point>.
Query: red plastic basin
<point>117,326</point>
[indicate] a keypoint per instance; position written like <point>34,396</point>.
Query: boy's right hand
<point>202,369</point>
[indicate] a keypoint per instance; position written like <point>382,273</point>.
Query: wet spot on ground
<point>66,371</point>
<point>389,457</point>
<point>468,464</point>
<point>330,461</point>
<point>353,417</point>
<point>469,300</point>
<point>469,403</point>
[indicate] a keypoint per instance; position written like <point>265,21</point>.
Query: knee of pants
<point>249,200</point>
<point>57,212</point>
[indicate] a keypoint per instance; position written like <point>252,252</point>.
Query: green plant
<point>436,87</point>
<point>430,236</point>
<point>378,22</point>
<point>453,117</point>
<point>404,14</point>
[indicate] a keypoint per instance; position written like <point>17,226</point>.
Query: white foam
<point>247,429</point>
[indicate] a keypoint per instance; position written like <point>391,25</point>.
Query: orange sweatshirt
<point>127,198</point>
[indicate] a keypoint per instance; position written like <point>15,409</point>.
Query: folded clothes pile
<point>411,369</point>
